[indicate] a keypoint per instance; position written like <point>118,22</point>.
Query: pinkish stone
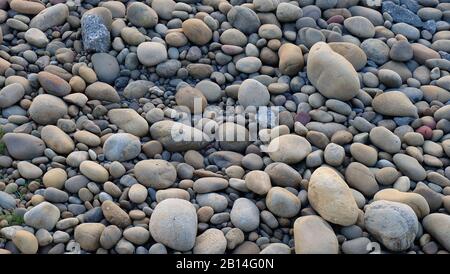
<point>426,132</point>
<point>336,19</point>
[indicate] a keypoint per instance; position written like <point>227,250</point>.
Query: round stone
<point>258,182</point>
<point>174,224</point>
<point>44,215</point>
<point>394,103</point>
<point>137,193</point>
<point>158,174</point>
<point>115,215</point>
<point>11,94</point>
<point>151,53</point>
<point>289,149</point>
<point>197,31</point>
<point>437,224</point>
<point>94,171</point>
<point>360,27</point>
<point>253,93</point>
<point>26,242</point>
<point>212,241</point>
<point>129,120</point>
<point>122,147</point>
<point>57,140</point>
<point>282,202</point>
<point>191,98</point>
<point>141,15</point>
<point>290,59</point>
<point>313,235</point>
<point>28,171</point>
<point>88,235</point>
<point>384,139</point>
<point>47,109</point>
<point>53,84</point>
<point>23,146</point>
<point>136,235</point>
<point>244,215</point>
<point>248,64</point>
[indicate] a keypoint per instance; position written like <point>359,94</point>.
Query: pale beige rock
<point>88,235</point>
<point>416,201</point>
<point>291,59</point>
<point>94,171</point>
<point>155,173</point>
<point>394,103</point>
<point>197,31</point>
<point>26,242</point>
<point>57,140</point>
<point>331,197</point>
<point>129,120</point>
<point>331,73</point>
<point>313,235</point>
<point>289,149</point>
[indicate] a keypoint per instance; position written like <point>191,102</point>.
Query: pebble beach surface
<point>114,138</point>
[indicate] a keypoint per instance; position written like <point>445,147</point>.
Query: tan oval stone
<point>94,171</point>
<point>115,215</point>
<point>27,7</point>
<point>26,242</point>
<point>331,197</point>
<point>57,140</point>
<point>313,235</point>
<point>331,73</point>
<point>129,120</point>
<point>197,31</point>
<point>289,149</point>
<point>394,103</point>
<point>291,59</point>
<point>88,235</point>
<point>55,177</point>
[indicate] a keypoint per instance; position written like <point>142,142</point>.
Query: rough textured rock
<point>95,34</point>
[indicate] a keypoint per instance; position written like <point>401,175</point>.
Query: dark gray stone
<point>401,14</point>
<point>244,19</point>
<point>96,37</point>
<point>168,68</point>
<point>106,67</point>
